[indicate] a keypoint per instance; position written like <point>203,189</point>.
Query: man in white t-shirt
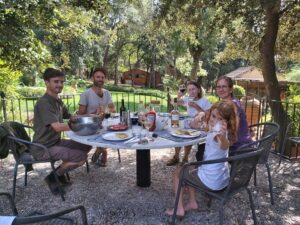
<point>91,100</point>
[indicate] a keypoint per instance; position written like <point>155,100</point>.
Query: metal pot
<point>85,125</point>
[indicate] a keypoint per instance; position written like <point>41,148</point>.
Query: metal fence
<point>257,110</point>
<point>21,109</point>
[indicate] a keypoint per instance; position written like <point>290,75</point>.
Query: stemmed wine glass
<point>182,89</point>
<point>104,114</point>
<point>148,124</point>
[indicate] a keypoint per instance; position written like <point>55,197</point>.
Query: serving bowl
<point>85,125</point>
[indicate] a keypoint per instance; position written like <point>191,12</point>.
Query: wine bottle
<point>175,115</point>
<point>151,117</point>
<point>122,113</point>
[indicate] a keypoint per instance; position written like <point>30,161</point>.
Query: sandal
<point>96,155</point>
<point>103,159</point>
<point>173,161</point>
<point>184,161</point>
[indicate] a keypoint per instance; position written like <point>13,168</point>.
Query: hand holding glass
<point>182,89</point>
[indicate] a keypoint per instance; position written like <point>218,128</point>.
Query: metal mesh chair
<point>266,133</point>
<point>290,136</point>
<point>20,148</point>
<point>242,167</point>
<point>57,218</point>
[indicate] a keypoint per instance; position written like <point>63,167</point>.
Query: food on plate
<point>185,132</point>
<point>118,127</point>
<point>122,135</point>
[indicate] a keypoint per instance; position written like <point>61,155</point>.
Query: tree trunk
<point>267,54</point>
<point>267,49</point>
<point>106,58</point>
<point>116,72</point>
<point>195,52</point>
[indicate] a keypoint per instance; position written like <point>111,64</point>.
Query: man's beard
<point>98,84</point>
<point>58,90</point>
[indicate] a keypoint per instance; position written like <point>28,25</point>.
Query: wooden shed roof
<point>249,73</point>
<point>253,74</point>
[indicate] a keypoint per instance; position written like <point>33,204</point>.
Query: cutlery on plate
<point>130,140</point>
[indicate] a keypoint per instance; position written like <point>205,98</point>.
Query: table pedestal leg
<point>143,170</point>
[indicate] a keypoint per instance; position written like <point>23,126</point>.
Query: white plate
<point>114,136</point>
<point>192,133</point>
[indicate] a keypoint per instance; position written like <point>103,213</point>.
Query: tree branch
<point>288,7</point>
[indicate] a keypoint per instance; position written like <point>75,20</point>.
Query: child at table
<point>222,132</point>
<point>195,103</point>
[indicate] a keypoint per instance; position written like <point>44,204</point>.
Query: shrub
<point>81,83</point>
<point>120,88</point>
<point>9,79</point>
<point>212,99</point>
<point>68,90</point>
<point>238,91</point>
<point>31,91</point>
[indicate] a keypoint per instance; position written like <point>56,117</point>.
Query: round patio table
<point>143,165</point>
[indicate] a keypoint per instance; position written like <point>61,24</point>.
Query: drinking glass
<point>141,118</point>
<point>216,128</point>
<point>106,116</point>
<point>187,122</point>
<point>148,124</point>
<point>190,99</point>
<point>182,89</point>
<point>136,131</point>
<point>100,111</point>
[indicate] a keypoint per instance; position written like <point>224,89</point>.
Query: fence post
<point>169,100</point>
<point>2,95</point>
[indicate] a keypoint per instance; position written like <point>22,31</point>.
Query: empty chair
<point>266,133</point>
<point>58,217</point>
<point>292,135</point>
<point>242,167</point>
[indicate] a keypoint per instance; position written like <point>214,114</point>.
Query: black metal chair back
<point>19,143</point>
<point>266,132</point>
<point>292,135</point>
<point>57,218</point>
<point>241,171</point>
<point>242,167</point>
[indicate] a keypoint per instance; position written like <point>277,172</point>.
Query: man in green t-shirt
<point>49,112</point>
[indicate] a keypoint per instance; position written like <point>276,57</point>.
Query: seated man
<point>49,112</point>
<point>95,100</point>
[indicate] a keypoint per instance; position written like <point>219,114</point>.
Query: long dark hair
<point>197,85</point>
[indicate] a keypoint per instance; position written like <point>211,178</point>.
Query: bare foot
<point>180,212</point>
<point>190,206</point>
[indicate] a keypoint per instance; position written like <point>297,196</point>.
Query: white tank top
<point>215,176</point>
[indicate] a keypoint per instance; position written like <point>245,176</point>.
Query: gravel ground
<point>110,195</point>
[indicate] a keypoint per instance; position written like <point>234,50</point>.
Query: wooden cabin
<point>252,80</point>
<point>137,77</point>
